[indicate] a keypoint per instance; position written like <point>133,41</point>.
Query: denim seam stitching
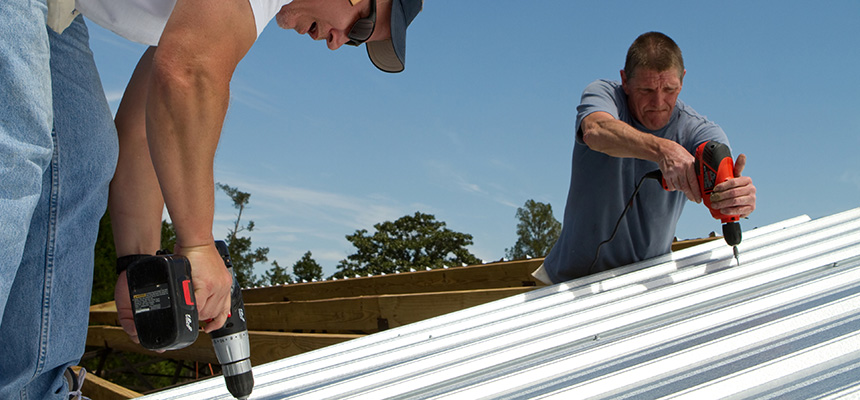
<point>49,255</point>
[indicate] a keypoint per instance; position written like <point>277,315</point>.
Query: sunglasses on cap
<point>363,28</point>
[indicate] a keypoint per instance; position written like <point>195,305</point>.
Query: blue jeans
<point>58,150</point>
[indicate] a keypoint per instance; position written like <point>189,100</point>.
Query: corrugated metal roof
<point>690,324</point>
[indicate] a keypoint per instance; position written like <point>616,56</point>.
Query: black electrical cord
<point>656,174</point>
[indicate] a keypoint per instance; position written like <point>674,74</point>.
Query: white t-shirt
<point>143,21</point>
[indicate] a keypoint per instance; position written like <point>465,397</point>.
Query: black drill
<point>165,315</point>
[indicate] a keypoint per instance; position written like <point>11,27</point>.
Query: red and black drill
<point>714,165</point>
<point>165,314</point>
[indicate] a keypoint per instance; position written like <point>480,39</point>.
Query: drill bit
<point>737,255</point>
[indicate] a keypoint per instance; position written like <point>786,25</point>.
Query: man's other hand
<point>679,171</point>
<point>735,196</point>
<point>123,307</point>
<point>212,284</point>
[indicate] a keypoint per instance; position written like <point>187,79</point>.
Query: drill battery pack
<point>162,301</point>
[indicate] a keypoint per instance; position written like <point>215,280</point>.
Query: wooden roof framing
<point>287,320</point>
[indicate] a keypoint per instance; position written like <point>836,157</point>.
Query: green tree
<point>168,236</point>
<point>414,241</point>
<point>240,246</point>
<point>537,231</point>
<point>345,269</point>
<point>307,269</point>
<point>104,272</point>
<point>277,275</point>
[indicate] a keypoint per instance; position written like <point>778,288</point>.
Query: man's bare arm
<point>603,133</point>
<point>135,199</point>
<point>188,95</point>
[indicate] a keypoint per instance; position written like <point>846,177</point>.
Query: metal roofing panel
<point>690,324</point>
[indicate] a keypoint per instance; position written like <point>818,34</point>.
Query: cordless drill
<point>165,315</point>
<point>714,165</point>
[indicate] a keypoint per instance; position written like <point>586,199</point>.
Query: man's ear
<point>624,81</point>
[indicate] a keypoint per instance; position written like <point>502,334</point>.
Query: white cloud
<point>255,99</point>
<point>114,96</point>
<point>449,175</point>
<point>314,207</point>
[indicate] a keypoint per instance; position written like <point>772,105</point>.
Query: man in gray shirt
<point>623,131</point>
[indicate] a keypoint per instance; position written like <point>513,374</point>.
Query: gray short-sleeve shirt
<point>601,184</point>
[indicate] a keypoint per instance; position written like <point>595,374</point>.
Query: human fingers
<point>686,182</point>
<point>215,323</point>
<point>677,165</point>
<point>741,210</point>
<point>740,185</point>
<point>740,164</point>
<point>694,194</point>
<point>213,306</point>
<point>212,284</point>
<point>123,307</point>
<point>735,197</point>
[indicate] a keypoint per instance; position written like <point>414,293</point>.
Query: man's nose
<point>336,40</point>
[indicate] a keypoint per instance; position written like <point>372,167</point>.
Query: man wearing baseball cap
<point>54,108</point>
<point>176,102</point>
<point>389,54</point>
<point>382,26</point>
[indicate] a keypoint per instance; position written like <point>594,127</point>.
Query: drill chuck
<point>240,385</point>
<point>234,355</point>
<point>732,233</point>
<point>231,341</point>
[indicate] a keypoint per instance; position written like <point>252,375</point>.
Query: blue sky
<point>482,118</point>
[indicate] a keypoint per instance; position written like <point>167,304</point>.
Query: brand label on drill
<point>151,299</point>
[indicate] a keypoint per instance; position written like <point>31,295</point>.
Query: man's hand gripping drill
<point>163,312</point>
<point>720,185</point>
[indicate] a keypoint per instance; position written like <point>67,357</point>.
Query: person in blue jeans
<point>58,149</point>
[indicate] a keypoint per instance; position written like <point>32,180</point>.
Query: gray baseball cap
<point>389,55</point>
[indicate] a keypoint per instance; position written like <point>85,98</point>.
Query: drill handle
<point>236,320</point>
<point>714,165</point>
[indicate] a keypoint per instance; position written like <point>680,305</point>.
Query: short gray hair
<point>655,51</point>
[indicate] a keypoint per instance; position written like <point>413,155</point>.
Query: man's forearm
<point>603,133</point>
<point>135,200</point>
<point>187,102</point>
<point>185,111</point>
